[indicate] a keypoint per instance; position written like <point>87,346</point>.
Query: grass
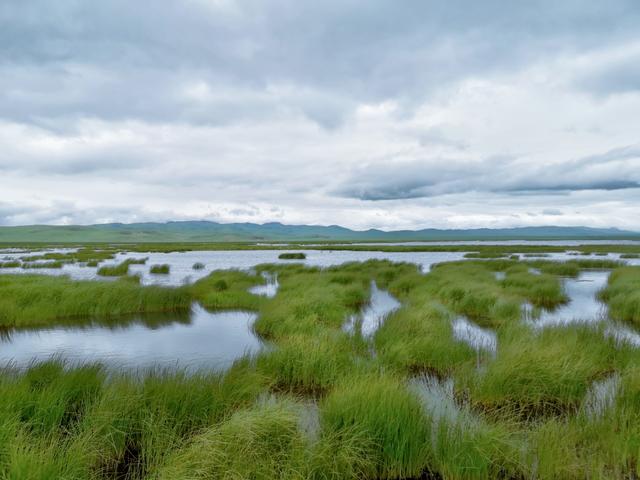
<point>160,269</point>
<point>292,256</point>
<point>198,266</point>
<point>622,294</point>
<point>41,265</point>
<point>546,373</point>
<point>114,270</point>
<point>30,300</point>
<point>412,401</point>
<point>387,414</point>
<point>10,264</point>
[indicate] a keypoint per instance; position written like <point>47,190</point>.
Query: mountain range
<point>205,231</point>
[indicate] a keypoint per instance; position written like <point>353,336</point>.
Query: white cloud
<point>365,114</point>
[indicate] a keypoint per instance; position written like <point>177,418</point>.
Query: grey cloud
<point>618,75</point>
<point>304,109</point>
<point>552,212</point>
<point>616,169</point>
<point>122,60</point>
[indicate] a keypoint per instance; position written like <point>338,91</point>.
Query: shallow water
<point>601,396</point>
<point>182,270</point>
<point>269,289</point>
<point>380,305</point>
<point>475,336</point>
<point>583,305</point>
<point>199,339</point>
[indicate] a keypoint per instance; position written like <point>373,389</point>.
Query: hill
<point>204,231</point>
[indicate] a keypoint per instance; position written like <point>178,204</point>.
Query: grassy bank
<point>622,294</point>
<point>29,300</point>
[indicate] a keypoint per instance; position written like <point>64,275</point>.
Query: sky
<point>364,113</point>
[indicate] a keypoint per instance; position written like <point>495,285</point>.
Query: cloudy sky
<point>365,113</point>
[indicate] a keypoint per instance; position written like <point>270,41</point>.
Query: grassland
<point>413,401</point>
<point>292,256</point>
<point>162,269</point>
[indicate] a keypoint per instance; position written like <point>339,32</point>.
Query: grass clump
<point>622,294</point>
<point>389,415</point>
<point>292,256</point>
<point>485,254</point>
<point>309,302</point>
<point>198,266</point>
<point>544,290</point>
<point>160,269</point>
<point>471,289</point>
<point>263,442</point>
<point>137,261</point>
<point>308,365</point>
<point>418,338</point>
<point>114,270</point>
<point>543,374</point>
<point>31,300</point>
<point>41,265</point>
<point>228,289</point>
<point>10,264</point>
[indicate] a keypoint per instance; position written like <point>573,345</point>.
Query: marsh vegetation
<point>454,383</point>
<point>292,256</point>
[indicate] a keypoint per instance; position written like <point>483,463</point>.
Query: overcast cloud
<point>385,114</point>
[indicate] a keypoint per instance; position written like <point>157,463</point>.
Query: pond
<point>198,339</point>
<point>366,322</point>
<point>584,307</point>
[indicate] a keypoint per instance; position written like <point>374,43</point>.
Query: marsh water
<point>475,336</point>
<point>182,271</point>
<point>584,307</point>
<point>203,339</point>
<point>198,339</point>
<point>381,304</point>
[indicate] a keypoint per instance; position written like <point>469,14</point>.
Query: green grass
<point>228,289</point>
<point>390,416</point>
<point>10,264</point>
<point>160,269</point>
<point>321,403</point>
<point>137,261</point>
<point>120,269</point>
<point>487,254</point>
<point>545,373</point>
<point>30,300</point>
<point>114,270</point>
<point>292,256</point>
<point>622,294</point>
<point>40,265</point>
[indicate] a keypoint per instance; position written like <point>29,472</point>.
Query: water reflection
<point>583,306</point>
<point>601,396</point>
<point>380,305</point>
<point>475,336</point>
<point>269,289</point>
<point>199,339</point>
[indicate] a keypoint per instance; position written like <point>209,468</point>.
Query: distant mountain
<point>204,231</point>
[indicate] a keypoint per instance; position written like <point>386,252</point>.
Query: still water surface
<point>196,340</point>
